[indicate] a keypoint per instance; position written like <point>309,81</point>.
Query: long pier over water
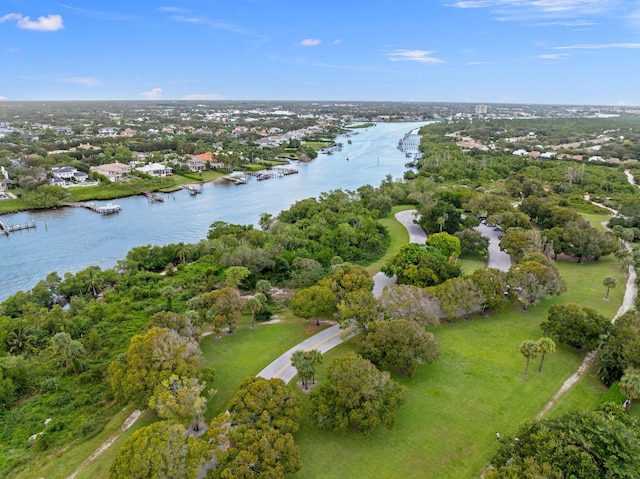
<point>11,228</point>
<point>107,209</point>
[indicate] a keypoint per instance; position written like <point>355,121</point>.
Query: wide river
<point>71,239</point>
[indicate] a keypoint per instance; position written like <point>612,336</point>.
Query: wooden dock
<point>237,178</point>
<point>285,171</point>
<point>193,189</point>
<point>107,209</point>
<point>6,229</point>
<point>152,197</point>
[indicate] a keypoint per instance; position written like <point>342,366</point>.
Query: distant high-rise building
<point>481,109</point>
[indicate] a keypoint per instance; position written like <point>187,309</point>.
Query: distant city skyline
<point>582,52</point>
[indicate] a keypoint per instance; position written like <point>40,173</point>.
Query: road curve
<point>331,337</point>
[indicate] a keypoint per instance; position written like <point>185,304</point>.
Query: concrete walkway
<point>628,303</point>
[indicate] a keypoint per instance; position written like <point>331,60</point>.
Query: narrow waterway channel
<point>71,239</point>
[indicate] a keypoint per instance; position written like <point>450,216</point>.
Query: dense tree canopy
<point>533,279</point>
<point>402,301</point>
<point>161,450</point>
<point>584,444</point>
<point>253,437</point>
<point>575,325</point>
<point>421,266</point>
<point>621,348</point>
<point>356,396</point>
<point>151,358</point>
<point>258,400</point>
<point>400,345</point>
<point>313,302</point>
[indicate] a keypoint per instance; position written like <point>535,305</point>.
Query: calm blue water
<point>71,239</point>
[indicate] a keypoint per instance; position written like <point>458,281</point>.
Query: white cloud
<point>10,16</point>
<point>84,81</point>
<point>310,42</point>
<point>420,56</point>
<point>211,23</point>
<point>153,94</point>
<point>526,10</point>
<point>203,96</point>
<point>13,50</point>
<point>50,23</point>
<point>3,98</point>
<point>598,46</point>
<point>171,9</point>
<point>634,18</point>
<point>552,56</point>
<point>337,41</point>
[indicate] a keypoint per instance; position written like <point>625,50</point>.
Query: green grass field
<point>399,237</point>
<point>456,405</point>
<point>318,145</point>
<point>246,353</point>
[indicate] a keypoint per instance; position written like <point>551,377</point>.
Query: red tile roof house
<point>208,157</point>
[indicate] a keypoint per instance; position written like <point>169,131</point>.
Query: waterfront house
<point>195,164</point>
<point>155,169</point>
<point>208,158</point>
<point>113,171</point>
<point>64,172</point>
<point>67,176</point>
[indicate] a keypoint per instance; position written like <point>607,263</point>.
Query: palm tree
<point>545,346</point>
<point>256,304</point>
<point>624,257</point>
<point>182,253</point>
<point>168,292</point>
<point>609,282</point>
<point>303,365</point>
<point>21,337</point>
<point>93,281</point>
<point>630,383</point>
<point>442,221</point>
<point>315,357</point>
<point>529,349</point>
<point>263,286</point>
<point>70,349</point>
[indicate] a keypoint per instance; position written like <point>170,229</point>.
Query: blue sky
<point>490,51</point>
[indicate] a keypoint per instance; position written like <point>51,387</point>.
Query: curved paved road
<point>331,337</point>
<point>497,258</point>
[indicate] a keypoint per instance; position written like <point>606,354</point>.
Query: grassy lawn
<point>596,220</point>
<point>12,206</point>
<point>64,463</point>
<point>246,353</point>
<point>477,388</point>
<point>318,145</point>
<point>470,263</point>
<point>362,125</point>
<point>399,237</point>
<point>99,469</point>
<point>100,192</point>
